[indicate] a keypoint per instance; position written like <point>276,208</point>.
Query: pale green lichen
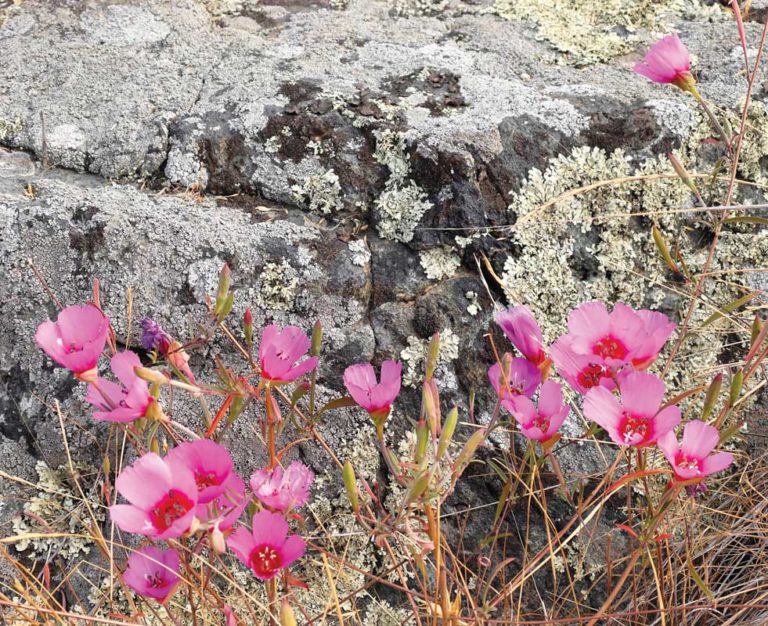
<point>10,128</point>
<point>58,510</point>
<point>592,32</point>
<point>473,308</point>
<point>320,193</point>
<point>415,8</point>
<point>278,286</point>
<point>400,211</point>
<point>441,262</point>
<point>587,246</point>
<point>361,255</point>
<point>415,353</point>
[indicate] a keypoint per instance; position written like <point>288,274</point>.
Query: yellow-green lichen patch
<point>593,32</point>
<point>279,285</point>
<point>320,193</point>
<point>440,262</point>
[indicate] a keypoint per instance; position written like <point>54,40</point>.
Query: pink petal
<point>557,419</point>
<point>292,549</point>
<point>550,398</point>
<point>47,338</point>
<point>668,445</point>
<point>601,407</point>
<point>716,463</point>
<point>391,373</point>
<point>699,439</point>
<point>360,375</point>
<point>122,365</point>
<point>130,519</point>
<point>145,482</point>
<point>269,528</point>
<point>522,409</point>
<point>83,324</point>
<point>666,421</point>
<point>242,544</point>
<point>641,393</point>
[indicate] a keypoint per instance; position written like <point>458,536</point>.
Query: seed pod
<point>712,393</point>
<point>736,384</point>
<point>447,435</point>
<point>350,484</point>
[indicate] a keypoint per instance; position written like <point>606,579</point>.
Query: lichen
<point>320,193</point>
<point>278,286</point>
<point>473,308</point>
<point>441,262</point>
<point>9,128</point>
<point>361,255</point>
<point>56,509</point>
<point>593,32</point>
<point>415,353</point>
<point>416,8</point>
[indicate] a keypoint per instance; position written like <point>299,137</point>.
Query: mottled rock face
<point>347,159</point>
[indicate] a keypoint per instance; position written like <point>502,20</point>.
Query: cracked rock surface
<point>345,158</point>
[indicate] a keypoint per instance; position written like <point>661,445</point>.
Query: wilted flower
<point>691,458</point>
<point>162,498</point>
<point>209,462</point>
<point>283,490</point>
<point>153,337</point>
<point>376,398</point>
<point>76,339</point>
<point>637,419</point>
<point>267,548</point>
<point>541,422</point>
<point>524,377</point>
<point>523,332</point>
<point>668,61</point>
<point>153,572</point>
<point>279,352</point>
<point>120,403</point>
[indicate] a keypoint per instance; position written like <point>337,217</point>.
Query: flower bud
<point>218,544</point>
<point>350,484</point>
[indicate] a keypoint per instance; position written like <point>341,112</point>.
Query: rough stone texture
<point>320,148</point>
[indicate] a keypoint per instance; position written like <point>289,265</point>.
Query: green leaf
<point>730,307</point>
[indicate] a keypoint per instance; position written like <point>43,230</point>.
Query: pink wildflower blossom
<point>668,61</point>
<point>599,344</point>
<point>153,573</point>
<point>541,422</point>
<point>209,462</point>
<point>283,490</point>
<point>267,548</point>
<point>226,508</point>
<point>523,332</point>
<point>125,402</point>
<point>637,419</point>
<point>376,398</point>
<point>691,458</point>
<point>76,339</point>
<point>162,498</point>
<point>524,377</point>
<point>280,351</point>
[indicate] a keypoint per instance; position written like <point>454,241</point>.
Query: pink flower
<point>76,339</point>
<point>581,371</point>
<point>360,381</point>
<point>691,458</point>
<point>283,490</point>
<point>163,498</point>
<point>667,61</point>
<point>523,332</point>
<point>120,403</point>
<point>636,420</point>
<point>226,508</point>
<point>153,573</point>
<point>279,351</point>
<point>266,549</point>
<point>541,423</point>
<point>599,345</point>
<point>209,462</point>
<point>524,378</point>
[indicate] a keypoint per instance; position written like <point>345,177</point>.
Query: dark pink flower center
<point>155,580</point>
<point>609,347</point>
<point>204,480</point>
<point>541,422</point>
<point>683,461</point>
<point>172,507</point>
<point>635,429</point>
<point>265,561</point>
<point>73,347</point>
<point>590,376</point>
